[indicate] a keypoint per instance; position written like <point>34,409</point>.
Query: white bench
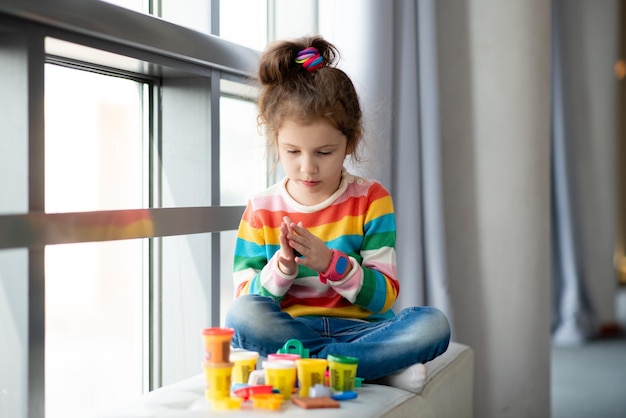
<point>447,392</point>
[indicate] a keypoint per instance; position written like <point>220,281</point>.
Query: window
<point>240,140</point>
<point>95,143</point>
<point>94,160</point>
<point>249,28</point>
<point>143,121</point>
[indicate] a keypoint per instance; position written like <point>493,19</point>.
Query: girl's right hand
<point>286,257</point>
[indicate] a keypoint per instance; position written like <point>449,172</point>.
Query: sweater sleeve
<point>372,283</point>
<point>255,269</point>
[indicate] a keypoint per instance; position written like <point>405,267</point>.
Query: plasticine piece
<point>294,346</point>
<point>269,401</point>
<point>345,396</point>
<point>225,404</point>
<point>319,391</point>
<point>246,392</point>
<point>311,403</point>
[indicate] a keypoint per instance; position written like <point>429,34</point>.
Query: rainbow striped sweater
<point>357,219</point>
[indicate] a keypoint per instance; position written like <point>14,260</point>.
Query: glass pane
<point>194,14</point>
<point>14,122</point>
<point>227,288</point>
<point>186,301</point>
<point>94,297</point>
<point>243,161</point>
<point>93,326</point>
<point>244,22</point>
<point>185,159</point>
<point>14,326</point>
<point>94,141</point>
<point>294,19</point>
<point>136,5</point>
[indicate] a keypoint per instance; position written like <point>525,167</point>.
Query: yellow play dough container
<point>244,363</point>
<point>281,374</point>
<point>342,372</point>
<point>218,379</point>
<point>311,371</point>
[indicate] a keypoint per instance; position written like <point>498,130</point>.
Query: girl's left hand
<point>315,254</point>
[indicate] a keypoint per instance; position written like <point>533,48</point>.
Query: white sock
<point>411,379</point>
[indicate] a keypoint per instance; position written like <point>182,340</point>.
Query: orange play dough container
<point>217,344</point>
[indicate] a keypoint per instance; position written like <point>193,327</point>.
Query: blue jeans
<point>414,335</point>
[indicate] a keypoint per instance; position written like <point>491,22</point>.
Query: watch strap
<point>337,269</point>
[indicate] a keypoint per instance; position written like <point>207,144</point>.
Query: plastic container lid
<point>218,331</point>
<point>343,359</point>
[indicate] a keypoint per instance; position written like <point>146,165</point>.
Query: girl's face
<point>312,156</point>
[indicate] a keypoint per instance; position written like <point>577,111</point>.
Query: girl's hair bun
<point>278,62</point>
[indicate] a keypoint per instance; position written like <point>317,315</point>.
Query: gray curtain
<point>572,314</point>
<point>395,72</point>
<point>417,160</point>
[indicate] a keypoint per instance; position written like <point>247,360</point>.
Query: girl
<point>315,254</point>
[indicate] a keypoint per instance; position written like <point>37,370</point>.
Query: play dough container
<point>281,375</point>
<point>218,379</point>
<point>342,372</point>
<point>283,356</point>
<point>217,344</point>
<point>310,372</point>
<point>244,363</point>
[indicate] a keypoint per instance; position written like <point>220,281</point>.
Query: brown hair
<point>289,91</point>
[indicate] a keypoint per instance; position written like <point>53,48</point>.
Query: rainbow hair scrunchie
<point>310,59</point>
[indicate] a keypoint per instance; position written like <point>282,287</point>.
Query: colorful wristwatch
<point>337,269</point>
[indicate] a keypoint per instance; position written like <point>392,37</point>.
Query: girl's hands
<point>315,254</point>
<point>286,257</point>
